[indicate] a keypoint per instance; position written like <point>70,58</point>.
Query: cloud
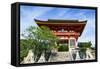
<point>34,11</point>
<point>28,13</point>
<point>89,31</point>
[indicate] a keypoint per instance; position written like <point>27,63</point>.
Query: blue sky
<point>28,13</point>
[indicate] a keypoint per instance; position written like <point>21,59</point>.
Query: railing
<point>66,33</point>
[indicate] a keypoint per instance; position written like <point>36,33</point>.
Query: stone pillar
<point>29,58</point>
<point>42,58</point>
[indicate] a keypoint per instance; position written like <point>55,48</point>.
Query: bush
<point>83,46</point>
<point>63,48</point>
<point>23,49</point>
<point>25,46</point>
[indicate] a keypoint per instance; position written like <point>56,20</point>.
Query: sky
<point>28,13</point>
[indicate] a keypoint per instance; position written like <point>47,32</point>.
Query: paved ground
<point>57,56</point>
<point>60,56</point>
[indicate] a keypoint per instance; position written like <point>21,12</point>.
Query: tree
<point>23,49</point>
<point>40,40</point>
<point>83,46</point>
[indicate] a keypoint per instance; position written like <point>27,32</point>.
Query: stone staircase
<point>60,56</point>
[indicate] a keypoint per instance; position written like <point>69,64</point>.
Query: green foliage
<point>40,40</point>
<point>83,46</point>
<point>63,48</point>
<point>23,49</point>
<point>47,54</point>
<point>92,48</point>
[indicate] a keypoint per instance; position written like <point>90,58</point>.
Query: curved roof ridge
<point>60,20</point>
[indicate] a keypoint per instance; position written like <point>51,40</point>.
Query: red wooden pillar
<point>75,40</point>
<point>75,43</point>
<point>69,42</point>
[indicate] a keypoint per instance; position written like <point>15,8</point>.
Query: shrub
<point>63,48</point>
<point>23,49</point>
<point>83,46</point>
